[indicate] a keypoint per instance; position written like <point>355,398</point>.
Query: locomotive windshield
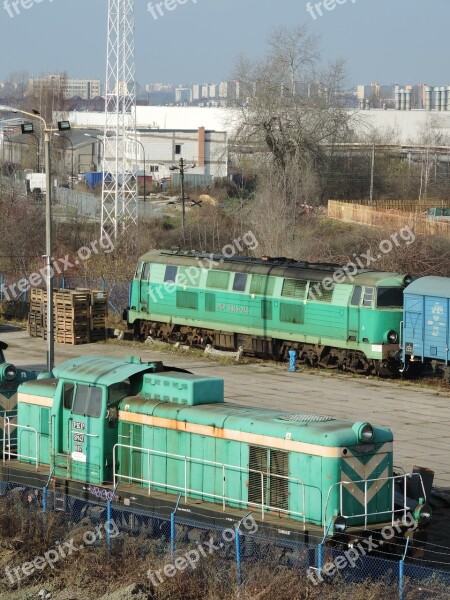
<point>389,297</point>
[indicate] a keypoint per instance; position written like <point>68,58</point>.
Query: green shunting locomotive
<point>10,379</point>
<point>332,317</point>
<point>156,432</point>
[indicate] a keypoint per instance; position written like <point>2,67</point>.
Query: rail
<point>186,490</point>
<point>366,514</point>
<point>7,447</point>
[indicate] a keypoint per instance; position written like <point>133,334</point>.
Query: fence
<point>180,541</point>
<point>70,205</point>
<point>378,217</point>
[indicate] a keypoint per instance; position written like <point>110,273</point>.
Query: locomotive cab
<point>73,419</point>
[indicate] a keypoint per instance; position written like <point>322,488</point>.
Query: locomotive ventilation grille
<point>303,418</point>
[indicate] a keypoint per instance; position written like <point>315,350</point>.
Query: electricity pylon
<point>119,213</point>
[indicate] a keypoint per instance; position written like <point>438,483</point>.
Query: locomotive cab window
<point>145,271</point>
<point>368,296</point>
<point>137,273</point>
<point>88,401</point>
<point>118,391</point>
<point>356,297</point>
<point>68,395</point>
<point>389,297</point>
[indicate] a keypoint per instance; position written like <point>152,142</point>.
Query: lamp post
<point>62,126</point>
<point>94,137</point>
<point>71,144</point>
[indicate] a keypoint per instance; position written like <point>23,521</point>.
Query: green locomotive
<point>156,432</point>
<point>331,317</point>
<point>10,379</point>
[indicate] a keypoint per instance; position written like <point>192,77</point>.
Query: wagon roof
<point>430,286</point>
<point>279,267</point>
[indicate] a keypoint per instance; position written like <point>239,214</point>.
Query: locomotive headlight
<point>339,524</point>
<point>423,514</point>
<point>407,279</point>
<point>364,432</point>
<point>9,372</point>
<point>392,337</point>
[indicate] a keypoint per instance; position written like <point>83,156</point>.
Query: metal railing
<point>11,414</point>
<point>7,447</point>
<point>392,511</point>
<point>186,490</point>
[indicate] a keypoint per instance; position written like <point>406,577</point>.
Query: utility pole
<point>371,174</point>
<point>62,126</point>
<point>183,206</point>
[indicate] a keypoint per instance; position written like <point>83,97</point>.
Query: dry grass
<point>25,534</point>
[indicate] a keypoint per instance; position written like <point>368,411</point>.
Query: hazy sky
<point>405,41</point>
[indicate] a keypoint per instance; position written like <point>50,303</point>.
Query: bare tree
<point>291,107</point>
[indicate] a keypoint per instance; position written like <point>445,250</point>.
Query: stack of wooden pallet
<point>71,316</point>
<point>79,315</point>
<point>37,317</point>
<point>99,312</point>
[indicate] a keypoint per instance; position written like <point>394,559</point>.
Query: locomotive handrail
<point>365,514</point>
<point>33,430</point>
<point>3,415</point>
<point>263,506</point>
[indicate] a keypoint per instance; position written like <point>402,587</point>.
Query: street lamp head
<point>8,108</point>
<point>36,112</point>
<point>63,125</point>
<point>27,128</point>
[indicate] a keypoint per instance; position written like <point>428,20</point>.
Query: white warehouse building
<point>205,149</point>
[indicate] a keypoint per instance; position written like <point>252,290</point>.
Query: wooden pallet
<point>79,315</point>
<point>72,339</point>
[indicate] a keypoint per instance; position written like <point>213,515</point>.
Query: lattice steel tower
<point>119,192</point>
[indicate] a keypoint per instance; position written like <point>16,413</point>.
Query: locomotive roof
<point>278,266</point>
<point>313,429</point>
<point>430,286</point>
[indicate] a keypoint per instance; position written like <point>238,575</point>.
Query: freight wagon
<point>151,433</point>
<point>331,317</point>
<point>426,326</point>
